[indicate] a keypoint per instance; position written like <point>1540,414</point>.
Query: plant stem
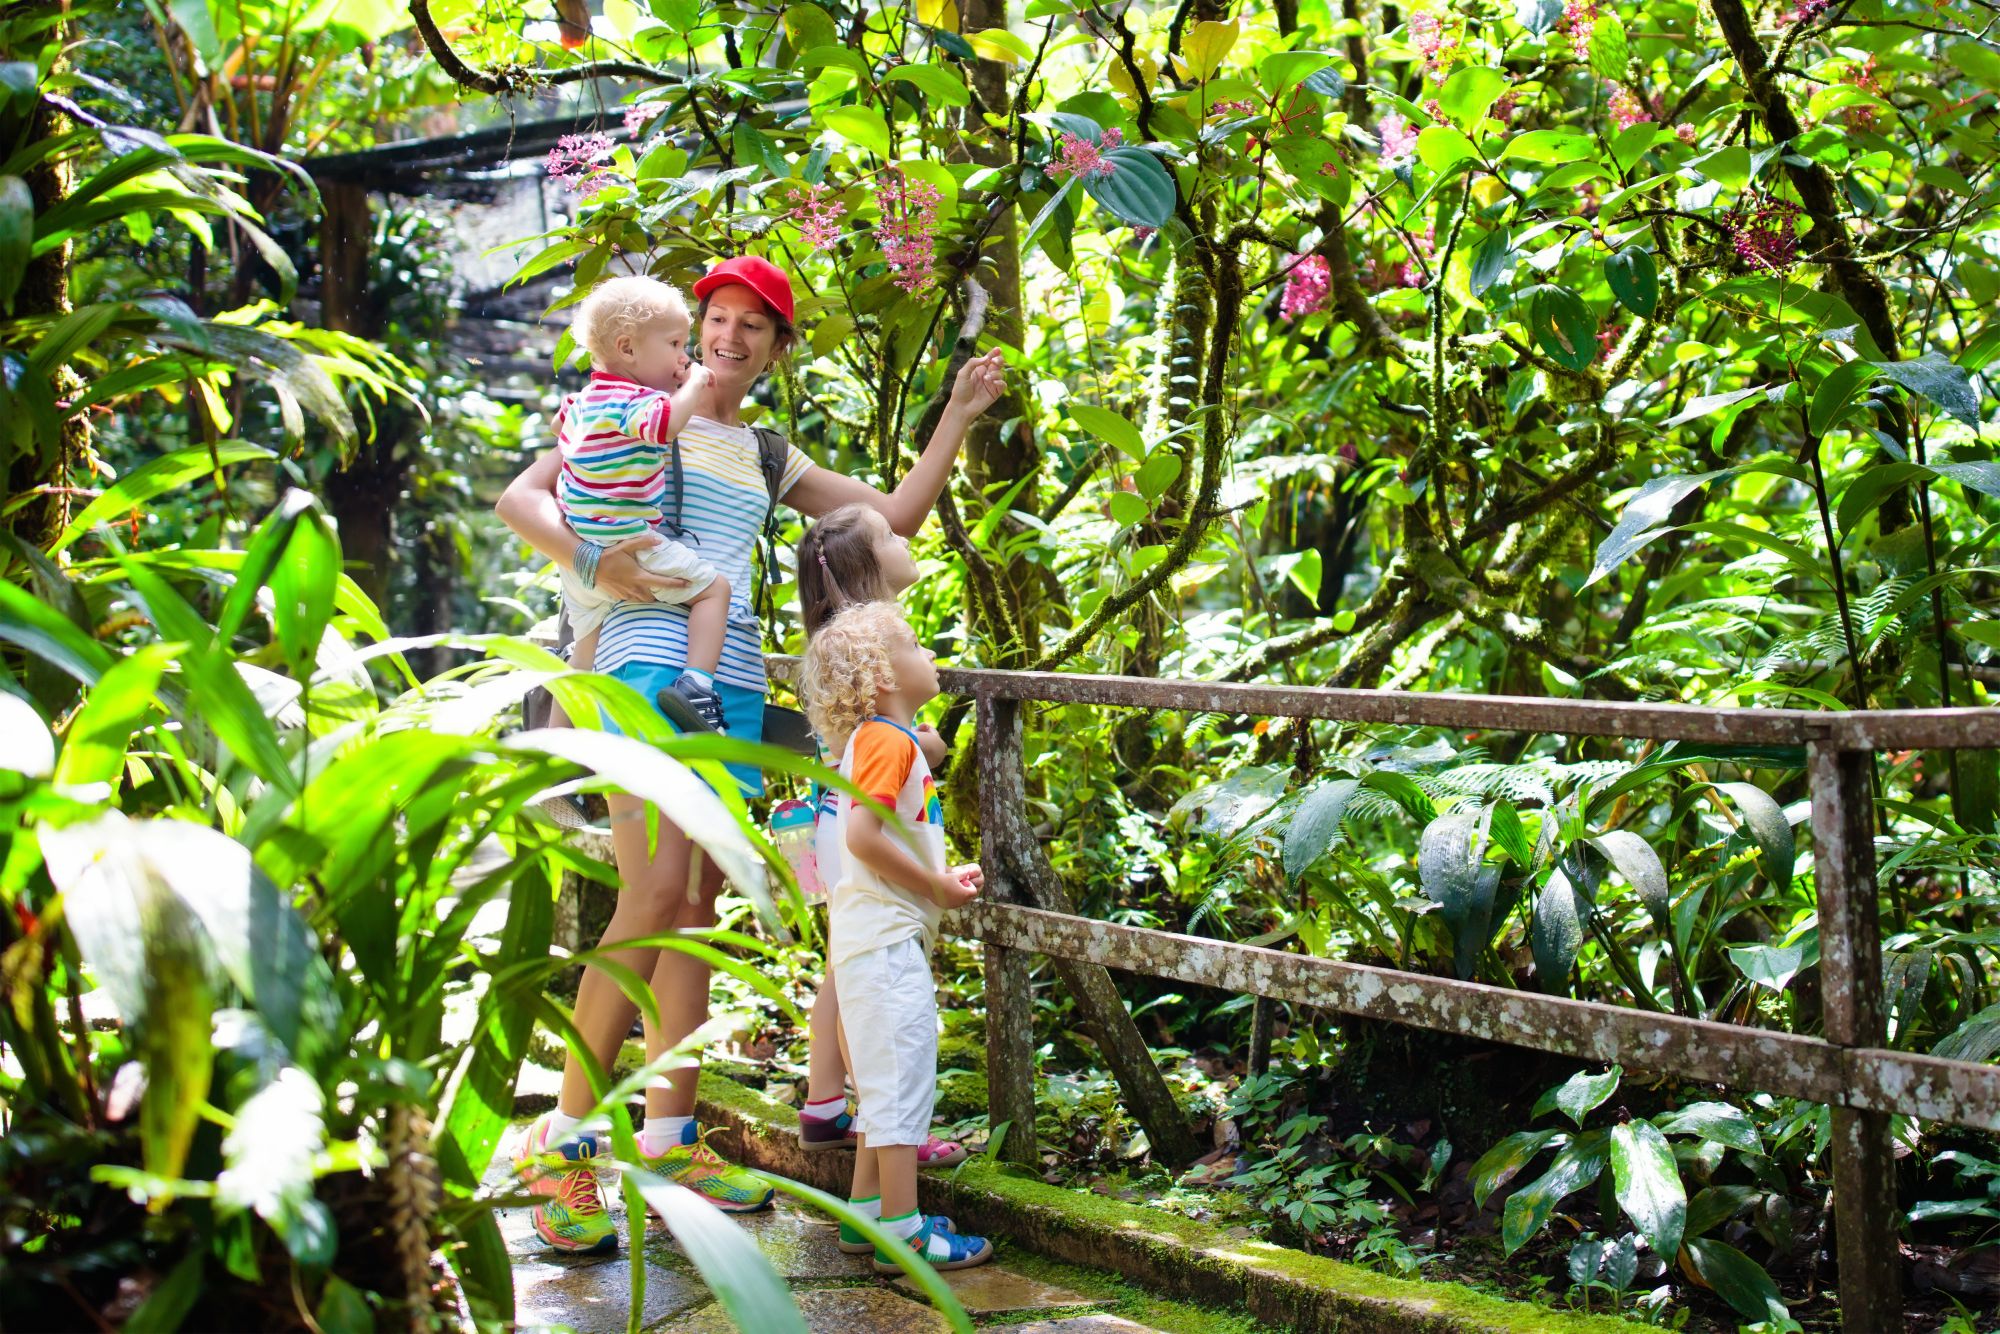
<point>1833,560</point>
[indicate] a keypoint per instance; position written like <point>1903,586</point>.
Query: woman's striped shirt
<point>724,503</point>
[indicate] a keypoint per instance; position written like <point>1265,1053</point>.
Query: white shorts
<point>587,607</point>
<point>888,1009</point>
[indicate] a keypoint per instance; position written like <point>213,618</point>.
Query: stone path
<point>837,1293</point>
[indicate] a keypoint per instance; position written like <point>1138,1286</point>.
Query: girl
<point>865,678</point>
<point>743,323</point>
<point>849,557</point>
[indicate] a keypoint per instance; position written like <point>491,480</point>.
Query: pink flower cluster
<point>1225,110</point>
<point>1685,133</point>
<point>1503,109</point>
<point>1864,77</point>
<point>1607,338</point>
<point>1307,283</point>
<point>1626,108</point>
<point>639,116</point>
<point>908,231</point>
<point>1399,140</point>
<point>818,215</point>
<point>582,162</point>
<point>1410,273</point>
<point>1078,158</point>
<point>1807,11</point>
<point>1579,18</point>
<point>1762,231</point>
<point>1436,40</point>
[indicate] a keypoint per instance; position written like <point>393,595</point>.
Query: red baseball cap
<point>761,276</point>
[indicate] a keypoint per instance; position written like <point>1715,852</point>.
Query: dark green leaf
<point>1530,1208</point>
<point>1839,389</point>
<point>1643,518</point>
<point>342,1308</point>
<point>1934,377</point>
<point>1648,1183</point>
<point>1716,1205</point>
<point>1640,865</point>
<point>1504,1161</point>
<point>1138,191</point>
<point>1766,823</point>
<point>1489,259</point>
<point>17,235</point>
<point>1557,933</point>
<point>172,1298</point>
<point>1737,1279</point>
<point>1315,824</point>
<point>1635,280</point>
<point>1720,1122</point>
<point>1580,1094</point>
<point>1563,326</point>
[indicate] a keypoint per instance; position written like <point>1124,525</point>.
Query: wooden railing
<point>1026,911</point>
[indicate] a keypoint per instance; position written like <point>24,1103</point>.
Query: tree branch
<point>519,78</point>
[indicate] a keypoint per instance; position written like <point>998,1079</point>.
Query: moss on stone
<point>960,1096</point>
<point>962,1052</point>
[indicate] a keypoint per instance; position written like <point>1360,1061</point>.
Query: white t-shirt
<point>883,759</point>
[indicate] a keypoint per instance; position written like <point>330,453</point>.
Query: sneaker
<point>691,1163</point>
<point>944,1250</point>
<point>853,1243</point>
<point>935,1152</point>
<point>567,810</point>
<point>818,1133</point>
<point>573,1217</point>
<point>692,706</point>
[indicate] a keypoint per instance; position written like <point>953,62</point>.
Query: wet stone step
<point>833,1311</point>
<point>994,1289</point>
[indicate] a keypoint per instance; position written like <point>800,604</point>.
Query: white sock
<point>907,1226</point>
<point>706,680</point>
<point>826,1108</point>
<point>868,1208</point>
<point>559,1126</point>
<point>661,1133</point>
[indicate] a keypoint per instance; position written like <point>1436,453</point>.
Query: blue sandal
<point>941,1248</point>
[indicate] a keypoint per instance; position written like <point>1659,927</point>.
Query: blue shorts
<point>742,710</point>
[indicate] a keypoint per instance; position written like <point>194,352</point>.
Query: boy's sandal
<point>853,1243</point>
<point>960,1252</point>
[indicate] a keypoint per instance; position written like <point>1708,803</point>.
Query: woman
<point>744,323</point>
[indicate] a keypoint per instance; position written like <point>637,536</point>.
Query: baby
<point>618,463</point>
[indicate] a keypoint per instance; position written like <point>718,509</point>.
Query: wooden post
<point>1014,850</point>
<point>1010,1013</point>
<point>1850,951</point>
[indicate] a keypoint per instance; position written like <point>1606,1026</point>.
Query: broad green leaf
<point>1403,790</point>
<point>1641,867</point>
<point>863,127</point>
<point>1158,473</point>
<point>1713,1206</point>
<point>1874,485</point>
<point>1510,837</point>
<point>941,85</point>
<point>1586,1258</point>
<point>1207,45</point>
<point>1634,280</point>
<point>1648,1183</point>
<point>1450,865</point>
<point>1768,966</point>
<point>727,1258</point>
<point>1504,1161</point>
<point>1441,148</point>
<point>156,477</point>
<point>166,1307</point>
<point>1127,509</point>
<point>1768,826</point>
<point>1556,933</point>
<point>1643,520</point>
<point>1282,71</point>
<point>95,742</point>
<point>1609,51</point>
<point>753,147</point>
<point>999,44</point>
<point>1139,189</point>
<point>49,635</point>
<point>342,1308</point>
<point>1489,260</point>
<point>302,583</point>
<point>1580,1094</point>
<point>1110,427</point>
<point>807,26</point>
<point>17,236</point>
<point>1721,1122</point>
<point>1315,825</point>
<point>1549,146</point>
<point>1469,92</point>
<point>1564,327</point>
<point>1529,1209</point>
<point>1737,1279</point>
<point>1836,392</point>
<point>1934,377</point>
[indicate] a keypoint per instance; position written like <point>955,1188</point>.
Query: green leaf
<point>1556,933</point>
<point>1648,1183</point>
<point>1315,824</point>
<point>1737,1279</point>
<point>1489,259</point>
<point>1441,148</point>
<point>1719,1122</point>
<point>862,127</point>
<point>342,1308</point>
<point>1157,474</point>
<point>753,147</point>
<point>156,477</point>
<point>1281,71</point>
<point>1563,326</point>
<point>95,743</point>
<point>1504,1161</point>
<point>942,86</point>
<point>727,1258</point>
<point>1580,1095</point>
<point>1868,490</point>
<point>1139,189</point>
<point>1933,376</point>
<point>1549,146</point>
<point>1634,280</point>
<point>1529,1209</point>
<point>1768,966</point>
<point>1609,51</point>
<point>49,635</point>
<point>1643,519</point>
<point>808,25</point>
<point>302,584</point>
<point>268,1164</point>
<point>17,235</point>
<point>1051,212</point>
<point>1768,827</point>
<point>1469,92</point>
<point>1127,509</point>
<point>1206,46</point>
<point>1641,867</point>
<point>1110,427</point>
<point>1450,867</point>
<point>1713,1206</point>
<point>1839,389</point>
<point>1403,790</point>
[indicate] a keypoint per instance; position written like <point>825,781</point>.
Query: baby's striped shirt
<point>613,438</point>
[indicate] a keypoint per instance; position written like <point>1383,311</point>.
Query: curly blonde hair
<point>848,666</point>
<point>620,306</point>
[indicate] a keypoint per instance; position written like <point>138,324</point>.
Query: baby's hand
<point>931,744</point>
<point>957,887</point>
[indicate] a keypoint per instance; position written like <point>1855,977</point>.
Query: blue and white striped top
<point>723,507</point>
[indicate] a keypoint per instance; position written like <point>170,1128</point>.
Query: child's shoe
<point>692,706</point>
<point>943,1249</point>
<point>573,1219</point>
<point>853,1243</point>
<point>818,1133</point>
<point>935,1152</point>
<point>691,1163</point>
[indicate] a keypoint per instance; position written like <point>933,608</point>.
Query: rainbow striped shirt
<point>613,438</point>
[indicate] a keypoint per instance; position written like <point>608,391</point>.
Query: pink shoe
<point>936,1152</point>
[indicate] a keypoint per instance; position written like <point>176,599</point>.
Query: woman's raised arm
<point>528,506</point>
<point>979,385</point>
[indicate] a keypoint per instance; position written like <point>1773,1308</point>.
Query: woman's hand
<point>980,383</point>
<point>620,574</point>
